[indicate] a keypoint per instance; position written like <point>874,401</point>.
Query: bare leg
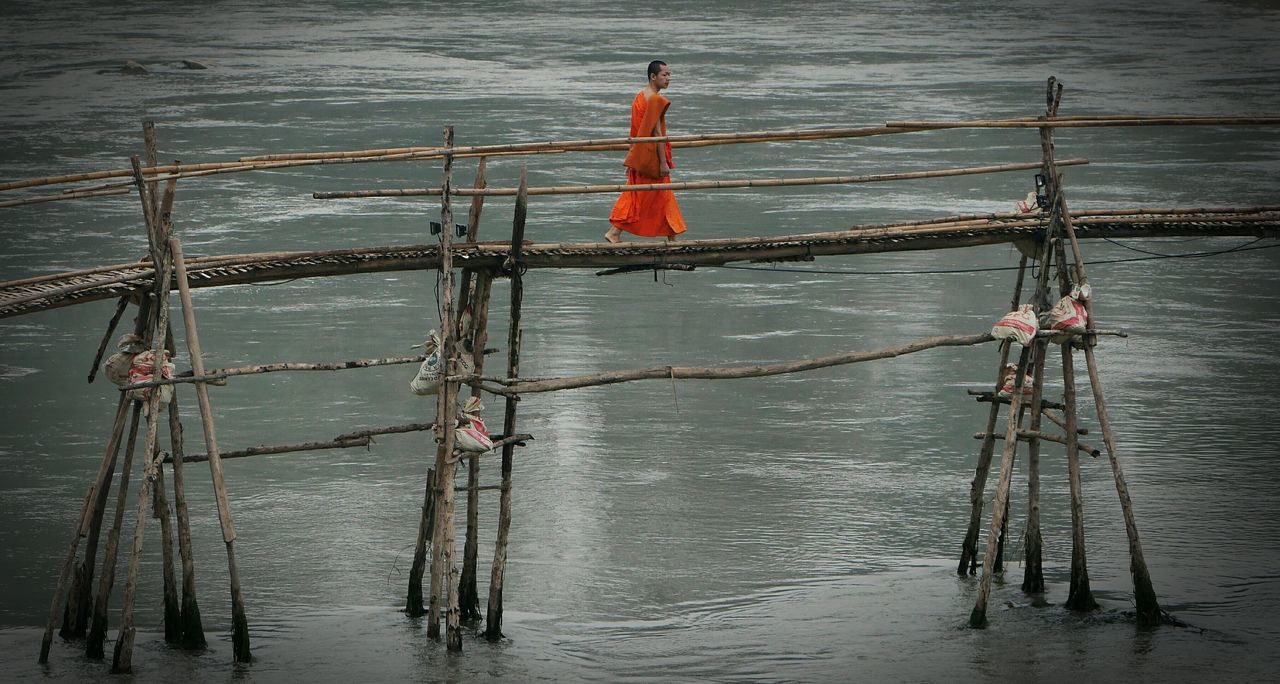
<point>614,235</point>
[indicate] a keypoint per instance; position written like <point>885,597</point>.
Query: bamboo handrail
<point>1092,122</point>
<point>697,185</point>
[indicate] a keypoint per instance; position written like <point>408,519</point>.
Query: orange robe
<point>648,213</point>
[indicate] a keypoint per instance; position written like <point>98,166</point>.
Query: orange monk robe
<point>648,213</point>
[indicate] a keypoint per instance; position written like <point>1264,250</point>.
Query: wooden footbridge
<point>1049,234</point>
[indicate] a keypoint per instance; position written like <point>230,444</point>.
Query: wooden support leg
<point>426,528</point>
<point>1033,569</point>
<point>239,623</point>
<point>978,617</point>
<point>75,606</point>
<point>97,636</point>
<point>468,596</point>
<point>1079,594</point>
<point>493,622</point>
<point>969,548</point>
<point>172,606</point>
<point>1149,611</point>
<point>192,626</point>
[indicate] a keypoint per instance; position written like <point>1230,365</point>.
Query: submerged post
<point>493,622</point>
<point>477,299</point>
<point>240,624</point>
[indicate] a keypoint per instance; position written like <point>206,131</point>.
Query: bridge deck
<point>30,295</point>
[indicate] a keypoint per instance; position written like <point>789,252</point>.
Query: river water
<point>801,527</point>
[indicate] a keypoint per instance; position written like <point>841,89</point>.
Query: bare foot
<point>614,235</point>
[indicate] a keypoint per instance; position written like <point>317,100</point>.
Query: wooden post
<point>978,617</point>
<point>161,257</point>
<point>1148,607</point>
<point>94,642</point>
<point>442,565</point>
<point>493,623</point>
<point>468,595</point>
<point>240,624</point>
<point>1079,594</point>
<point>172,606</point>
<point>426,527</point>
<point>75,608</point>
<point>969,548</point>
<point>1033,569</point>
<point>192,628</point>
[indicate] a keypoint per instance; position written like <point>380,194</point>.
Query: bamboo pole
<point>1033,567</point>
<point>218,374</point>
<point>97,635</point>
<point>426,526</point>
<point>172,605</point>
<point>497,573</point>
<point>240,624</point>
<point>442,566</point>
<point>282,449</point>
<point>475,338</point>
<point>106,337</point>
<point>1093,122</point>
<point>519,387</point>
<point>1146,603</point>
<point>978,617</point>
<point>97,492</point>
<point>969,547</point>
<point>122,661</point>
<point>1028,435</point>
<point>192,629</point>
<point>700,185</point>
<point>1079,593</point>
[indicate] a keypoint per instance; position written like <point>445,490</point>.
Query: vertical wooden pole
<point>1148,607</point>
<point>468,595</point>
<point>192,627</point>
<point>160,256</point>
<point>442,566</point>
<point>978,617</point>
<point>478,300</point>
<point>75,608</point>
<point>977,489</point>
<point>425,533</point>
<point>1033,568</point>
<point>493,622</point>
<point>1079,594</point>
<point>172,606</point>
<point>239,623</point>
<point>97,636</point>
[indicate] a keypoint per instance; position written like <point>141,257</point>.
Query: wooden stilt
<point>1033,569</point>
<point>493,621</point>
<point>978,617</point>
<point>969,548</point>
<point>468,595</point>
<point>97,635</point>
<point>192,628</point>
<point>426,528</point>
<point>75,608</point>
<point>1079,594</point>
<point>239,623</point>
<point>172,606</point>
<point>1148,607</point>
<point>998,566</point>
<point>442,565</point>
<point>122,663</point>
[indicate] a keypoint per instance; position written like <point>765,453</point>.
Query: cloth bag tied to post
<point>1067,316</point>
<point>1020,325</point>
<point>472,435</point>
<point>117,366</point>
<point>427,381</point>
<point>143,369</point>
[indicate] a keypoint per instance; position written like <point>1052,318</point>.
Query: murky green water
<point>799,527</point>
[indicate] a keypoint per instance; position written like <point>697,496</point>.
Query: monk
<point>648,213</point>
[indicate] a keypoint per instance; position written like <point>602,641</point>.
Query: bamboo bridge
<point>1048,235</point>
